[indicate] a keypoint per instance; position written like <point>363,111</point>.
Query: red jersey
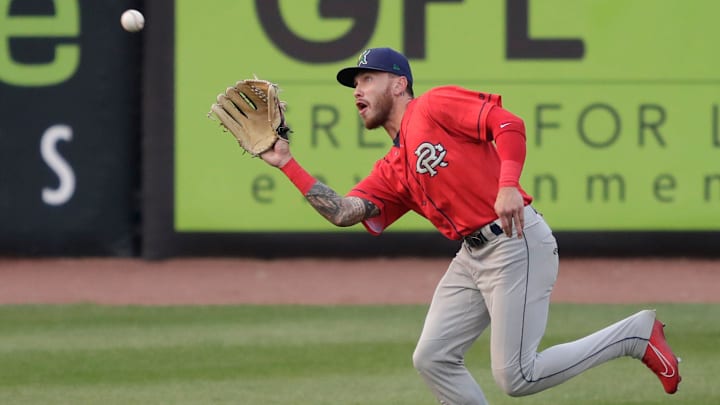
<point>443,165</point>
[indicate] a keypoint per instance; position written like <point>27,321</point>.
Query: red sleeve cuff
<point>298,176</point>
<point>510,171</point>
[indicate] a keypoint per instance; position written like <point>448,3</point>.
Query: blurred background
<point>106,148</point>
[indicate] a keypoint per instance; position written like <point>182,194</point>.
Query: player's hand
<point>509,207</point>
<point>278,155</point>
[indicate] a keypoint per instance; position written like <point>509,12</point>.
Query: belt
<point>483,235</point>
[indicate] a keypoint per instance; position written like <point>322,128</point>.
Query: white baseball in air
<point>132,20</point>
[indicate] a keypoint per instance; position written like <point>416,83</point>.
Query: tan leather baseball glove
<point>252,112</point>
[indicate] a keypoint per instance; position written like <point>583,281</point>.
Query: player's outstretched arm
<point>340,211</point>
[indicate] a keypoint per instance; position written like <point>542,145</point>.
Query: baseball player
<point>456,159</point>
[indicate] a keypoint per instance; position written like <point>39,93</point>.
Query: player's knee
<point>426,359</point>
<point>422,361</point>
<point>510,381</point>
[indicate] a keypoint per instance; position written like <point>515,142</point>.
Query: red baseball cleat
<point>661,360</point>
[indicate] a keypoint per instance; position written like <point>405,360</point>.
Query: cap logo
<point>396,67</point>
<point>362,60</point>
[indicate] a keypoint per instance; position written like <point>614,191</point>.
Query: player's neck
<point>392,125</point>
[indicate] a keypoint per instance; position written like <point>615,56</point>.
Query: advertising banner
<point>621,101</point>
<point>69,122</point>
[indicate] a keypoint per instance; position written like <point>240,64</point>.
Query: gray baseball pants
<point>507,283</point>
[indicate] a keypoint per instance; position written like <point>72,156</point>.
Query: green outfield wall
<point>106,147</point>
<point>621,99</point>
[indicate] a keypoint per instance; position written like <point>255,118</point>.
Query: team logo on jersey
<point>430,157</point>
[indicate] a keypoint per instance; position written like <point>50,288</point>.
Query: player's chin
<point>370,122</point>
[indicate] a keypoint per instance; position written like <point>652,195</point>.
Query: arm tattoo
<point>341,211</point>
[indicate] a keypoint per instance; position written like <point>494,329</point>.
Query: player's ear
<point>399,85</point>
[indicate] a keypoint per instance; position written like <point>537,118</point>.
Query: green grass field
<point>88,354</point>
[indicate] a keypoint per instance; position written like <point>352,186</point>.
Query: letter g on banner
<point>365,16</point>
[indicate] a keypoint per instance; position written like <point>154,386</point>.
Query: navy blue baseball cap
<point>379,59</point>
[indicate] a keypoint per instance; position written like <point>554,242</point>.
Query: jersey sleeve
<point>461,111</point>
<point>508,130</point>
<point>377,188</point>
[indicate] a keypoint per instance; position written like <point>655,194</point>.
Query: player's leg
<point>519,308</point>
<point>457,316</point>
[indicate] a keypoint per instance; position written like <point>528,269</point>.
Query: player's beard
<point>380,111</point>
